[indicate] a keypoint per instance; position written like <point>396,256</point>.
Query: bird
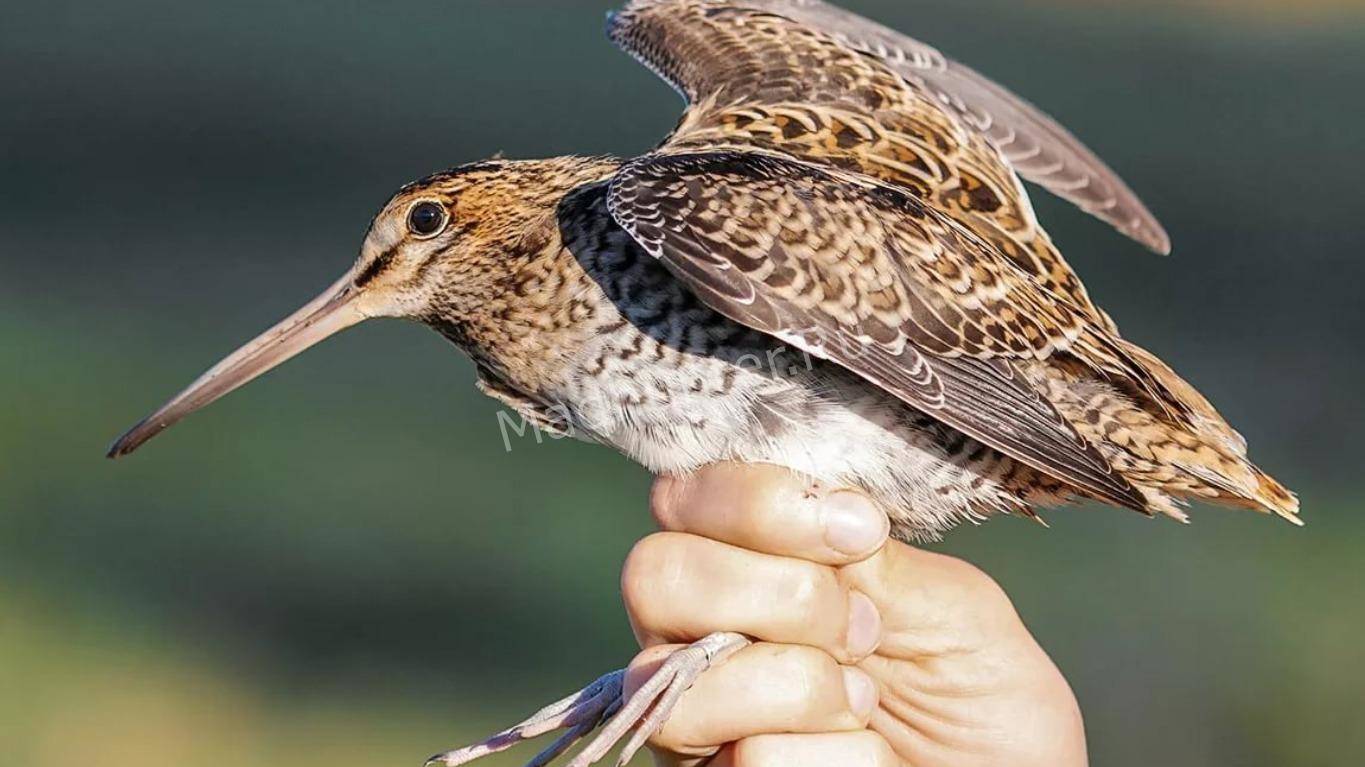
<point>832,264</point>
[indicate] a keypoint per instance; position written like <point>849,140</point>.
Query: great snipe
<point>831,265</point>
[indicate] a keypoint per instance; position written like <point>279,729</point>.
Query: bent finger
<point>680,588</point>
<point>763,689</point>
<point>771,510</point>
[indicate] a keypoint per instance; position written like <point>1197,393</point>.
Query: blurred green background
<point>341,565</point>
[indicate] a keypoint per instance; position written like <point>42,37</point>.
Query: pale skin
<point>868,652</point>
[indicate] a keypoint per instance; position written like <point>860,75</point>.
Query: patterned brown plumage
<point>832,265</point>
<point>869,278</point>
<point>802,80</point>
<point>835,192</point>
<point>796,77</point>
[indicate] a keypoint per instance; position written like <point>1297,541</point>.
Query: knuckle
<point>642,574</point>
<point>809,589</point>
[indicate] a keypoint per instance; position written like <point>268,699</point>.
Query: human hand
<point>869,654</point>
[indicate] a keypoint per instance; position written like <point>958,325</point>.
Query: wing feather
<point>1038,147</point>
<point>845,270</point>
<point>721,56</point>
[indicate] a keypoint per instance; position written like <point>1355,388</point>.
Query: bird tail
<point>1271,496</point>
<point>1171,461</point>
<point>1242,483</point>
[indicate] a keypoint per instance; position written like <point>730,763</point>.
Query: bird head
<point>442,251</point>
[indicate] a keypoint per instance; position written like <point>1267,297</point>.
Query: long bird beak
<point>328,314</point>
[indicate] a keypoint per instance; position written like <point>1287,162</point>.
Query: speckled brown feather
<point>870,278</point>
<point>508,291</point>
<point>768,79</point>
<point>814,193</point>
<point>831,266</point>
<point>757,78</point>
<point>1034,145</point>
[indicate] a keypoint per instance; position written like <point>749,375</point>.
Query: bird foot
<point>602,704</point>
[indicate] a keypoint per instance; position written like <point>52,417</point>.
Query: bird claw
<point>583,709</point>
<point>602,704</point>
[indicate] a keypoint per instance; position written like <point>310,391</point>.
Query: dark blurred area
<point>343,565</point>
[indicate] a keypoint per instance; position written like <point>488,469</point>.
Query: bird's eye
<point>426,218</point>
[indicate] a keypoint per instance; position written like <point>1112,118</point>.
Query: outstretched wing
<point>806,79</point>
<point>668,35</point>
<point>1039,148</point>
<point>867,276</point>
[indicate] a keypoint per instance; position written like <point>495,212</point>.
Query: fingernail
<point>852,524</point>
<point>864,625</point>
<point>861,692</point>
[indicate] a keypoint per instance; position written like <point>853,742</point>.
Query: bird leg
<point>602,704</point>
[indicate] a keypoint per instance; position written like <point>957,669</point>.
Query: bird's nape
<point>336,309</point>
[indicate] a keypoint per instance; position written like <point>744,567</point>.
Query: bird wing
<point>824,85</point>
<point>1038,147</point>
<point>869,277</point>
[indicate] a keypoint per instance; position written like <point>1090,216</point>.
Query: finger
<point>845,749</point>
<point>763,689</point>
<point>772,510</point>
<point>680,588</point>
